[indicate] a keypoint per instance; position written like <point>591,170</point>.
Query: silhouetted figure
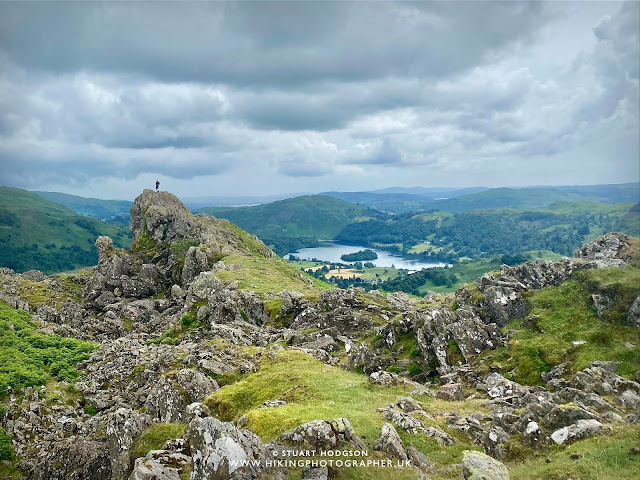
<point>157,185</point>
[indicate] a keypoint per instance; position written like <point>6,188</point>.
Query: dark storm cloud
<point>277,43</point>
<point>306,90</point>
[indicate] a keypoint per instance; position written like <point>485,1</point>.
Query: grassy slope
<point>27,219</point>
<point>565,316</point>
<point>314,390</point>
<point>91,207</point>
<point>506,197</point>
<point>316,216</point>
<point>271,275</point>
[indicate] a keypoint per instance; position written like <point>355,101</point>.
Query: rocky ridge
<point>170,332</point>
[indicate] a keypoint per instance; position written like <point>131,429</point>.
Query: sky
<point>261,98</point>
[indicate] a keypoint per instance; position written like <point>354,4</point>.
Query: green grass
<point>28,358</point>
<point>604,457</point>
<point>270,275</point>
<point>465,272</point>
<point>312,389</point>
<point>154,437</point>
<point>6,448</point>
<point>565,316</point>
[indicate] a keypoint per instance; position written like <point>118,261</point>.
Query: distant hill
<point>505,198</point>
<point>314,217</point>
<point>91,207</point>
<point>432,192</point>
<point>385,202</point>
<point>36,233</point>
<point>394,200</point>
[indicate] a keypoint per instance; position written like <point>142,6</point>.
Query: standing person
<point>157,185</point>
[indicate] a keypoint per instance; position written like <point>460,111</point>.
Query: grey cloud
<point>283,43</point>
<point>304,90</point>
<point>301,168</point>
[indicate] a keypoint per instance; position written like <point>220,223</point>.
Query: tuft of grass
<point>90,409</point>
<point>28,358</point>
<point>154,437</point>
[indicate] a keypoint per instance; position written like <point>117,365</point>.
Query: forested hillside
<point>36,233</point>
<point>295,222</point>
<point>561,228</point>
<point>107,210</point>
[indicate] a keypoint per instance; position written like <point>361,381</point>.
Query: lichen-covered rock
<point>478,466</point>
<point>220,451</point>
<point>577,431</point>
<point>563,415</point>
<point>163,217</point>
<point>493,441</point>
<point>451,392</point>
<point>534,436</point>
<point>167,403</point>
<point>441,326</point>
<point>497,386</point>
<point>195,384</point>
<point>609,250</point>
<point>403,420</point>
<point>325,435</point>
<point>151,469</point>
<point>389,442</point>
<point>419,460</point>
<point>315,473</point>
<point>123,427</point>
<point>72,459</point>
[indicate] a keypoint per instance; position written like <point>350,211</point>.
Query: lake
<point>331,252</point>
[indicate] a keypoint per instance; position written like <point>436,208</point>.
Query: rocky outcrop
<point>220,451</point>
<point>580,429</point>
<point>478,466</point>
<point>325,435</point>
<point>162,217</point>
<point>448,338</point>
<point>610,250</point>
<point>123,427</point>
<point>389,442</point>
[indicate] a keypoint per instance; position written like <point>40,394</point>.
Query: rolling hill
<point>401,200</point>
<point>311,217</point>
<point>91,207</point>
<point>36,233</point>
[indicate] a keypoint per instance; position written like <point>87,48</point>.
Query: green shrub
<point>90,409</point>
<point>28,358</point>
<point>414,369</point>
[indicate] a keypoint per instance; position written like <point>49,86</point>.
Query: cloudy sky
<point>100,99</point>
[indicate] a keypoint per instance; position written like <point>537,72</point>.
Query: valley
<point>200,332</point>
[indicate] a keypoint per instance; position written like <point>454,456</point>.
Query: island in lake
<point>367,254</point>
